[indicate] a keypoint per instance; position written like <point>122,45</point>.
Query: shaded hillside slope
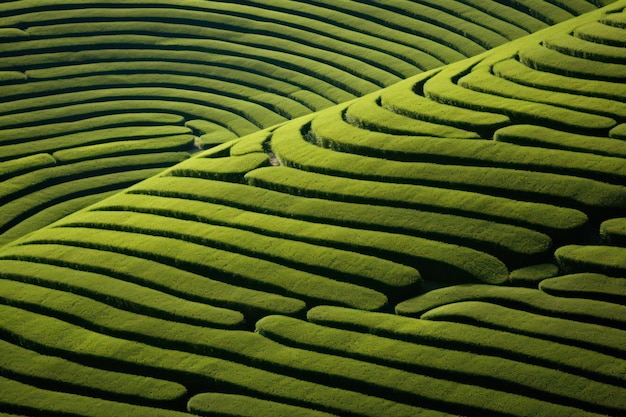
<point>95,96</point>
<point>450,245</point>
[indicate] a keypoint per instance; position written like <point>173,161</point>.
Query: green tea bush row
<point>515,71</point>
<point>436,258</point>
<point>590,286</point>
<point>531,300</point>
<point>544,59</point>
<point>51,213</point>
<point>20,166</point>
<point>29,399</point>
<point>232,168</point>
<point>337,264</point>
<point>462,367</point>
<point>482,80</point>
<point>443,89</point>
<point>594,337</point>
<point>233,405</point>
<point>327,222</point>
<point>541,217</point>
<point>402,98</point>
<point>221,265</point>
<point>602,33</point>
<point>174,135</point>
<point>609,260</point>
<point>613,231</point>
<point>87,125</point>
<point>120,293</point>
<point>366,114</point>
<point>193,369</point>
<point>515,335</point>
<point>594,51</point>
<point>157,276</point>
<point>517,164</point>
<point>543,137</point>
<point>61,374</point>
<point>387,382</point>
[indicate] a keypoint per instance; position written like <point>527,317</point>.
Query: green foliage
<point>481,370</point>
<point>532,275</point>
<point>230,169</point>
<point>158,276</point>
<point>610,260</point>
<point>232,405</point>
<point>595,337</point>
<point>531,300</point>
<point>592,286</point>
<point>25,164</point>
<point>613,231</point>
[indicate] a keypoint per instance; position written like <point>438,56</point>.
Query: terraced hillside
<point>451,244</point>
<point>96,96</point>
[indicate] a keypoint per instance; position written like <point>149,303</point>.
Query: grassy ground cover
<point>482,370</point>
<point>222,265</point>
<point>528,338</point>
<point>23,398</point>
<point>592,286</point>
<point>599,338</point>
<point>53,372</point>
<point>610,260</point>
<point>154,275</point>
<point>428,198</point>
<point>526,299</point>
<point>120,293</point>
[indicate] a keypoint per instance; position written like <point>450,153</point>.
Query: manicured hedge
<point>595,337</point>
<point>541,217</point>
<point>233,405</point>
<point>119,293</point>
<point>543,137</point>
<point>433,258</point>
<point>63,375</point>
<point>591,286</point>
<point>532,275</point>
<point>531,300</point>
<point>219,264</point>
<point>515,71</point>
<point>406,98</point>
<point>326,222</point>
<point>454,365</point>
<point>481,79</point>
<point>610,260</point>
<point>337,264</point>
<point>194,369</point>
<point>544,59</point>
<point>154,275</point>
<point>512,334</point>
<point>20,166</point>
<point>23,398</point>
<point>613,231</point>
<point>575,46</point>
<point>232,168</point>
<point>367,114</point>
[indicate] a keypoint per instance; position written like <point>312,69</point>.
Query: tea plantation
<point>320,208</point>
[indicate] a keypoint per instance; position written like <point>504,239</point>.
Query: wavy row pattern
<point>449,245</point>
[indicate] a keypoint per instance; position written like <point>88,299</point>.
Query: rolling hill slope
<point>450,244</point>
